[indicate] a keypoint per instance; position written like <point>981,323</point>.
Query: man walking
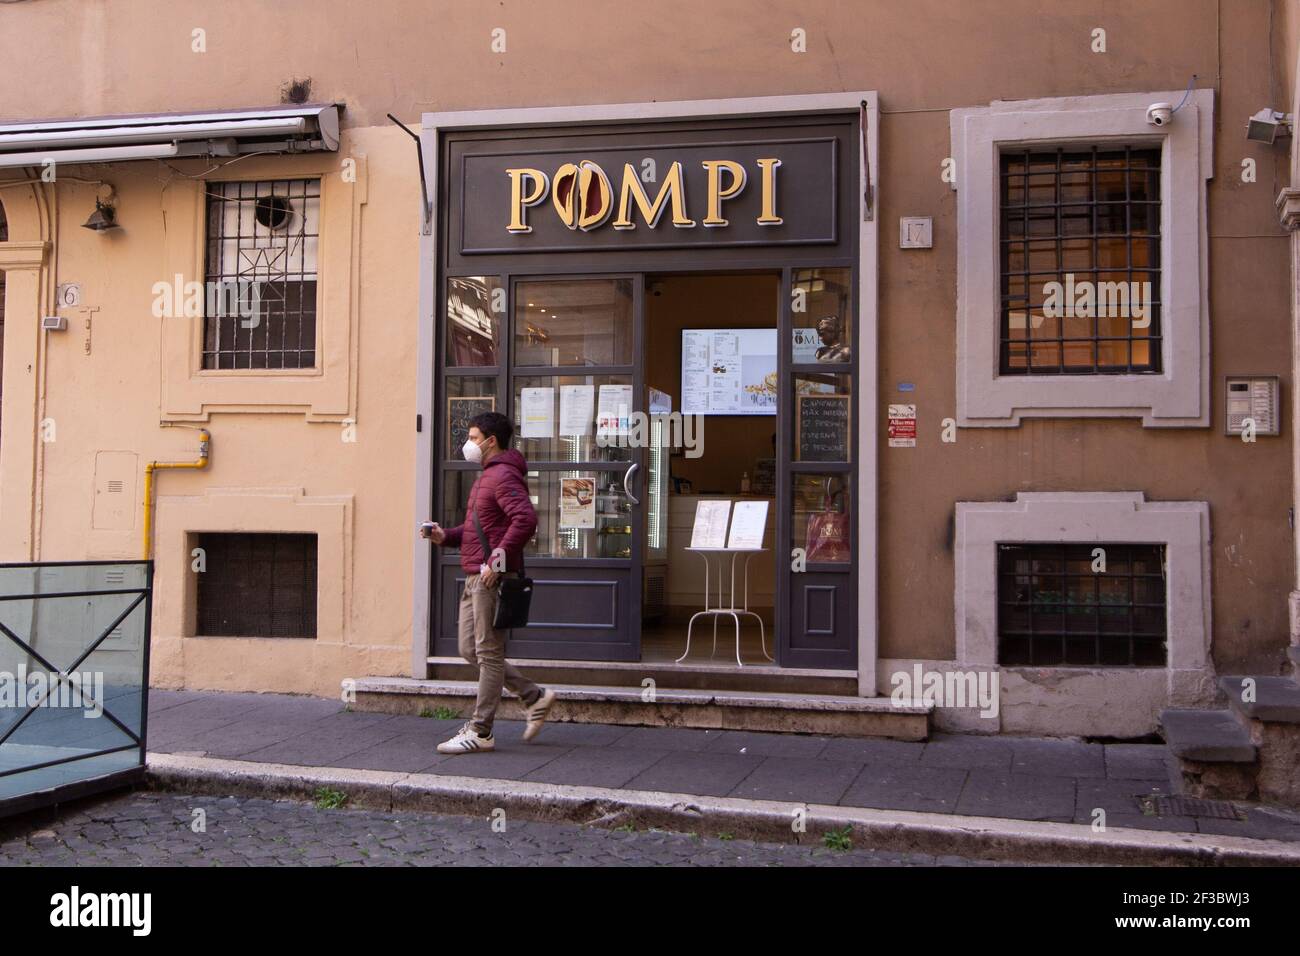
<point>500,512</point>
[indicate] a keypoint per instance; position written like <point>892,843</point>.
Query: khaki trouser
<point>483,645</point>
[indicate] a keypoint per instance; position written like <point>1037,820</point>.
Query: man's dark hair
<point>494,424</point>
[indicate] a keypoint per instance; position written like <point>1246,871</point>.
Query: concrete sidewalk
<point>1027,779</point>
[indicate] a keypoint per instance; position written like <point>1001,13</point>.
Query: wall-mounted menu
<point>729,372</point>
<point>822,431</point>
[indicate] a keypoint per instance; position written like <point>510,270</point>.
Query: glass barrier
<point>74,640</point>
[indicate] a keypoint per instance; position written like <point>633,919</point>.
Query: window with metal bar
<point>1080,261</point>
<point>262,245</point>
<point>1081,604</point>
<point>257,585</point>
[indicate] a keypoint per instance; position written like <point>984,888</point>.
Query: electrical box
<point>1255,397</point>
<point>54,323</point>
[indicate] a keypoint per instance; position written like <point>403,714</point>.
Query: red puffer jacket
<point>500,498</point>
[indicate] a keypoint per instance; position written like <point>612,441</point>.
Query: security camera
<point>1267,125</point>
<point>1160,114</point>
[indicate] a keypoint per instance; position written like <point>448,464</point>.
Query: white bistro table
<point>729,609</point>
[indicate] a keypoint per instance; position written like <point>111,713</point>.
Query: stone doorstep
<point>729,710</point>
<point>1207,736</point>
<point>1277,699</point>
<point>885,830</point>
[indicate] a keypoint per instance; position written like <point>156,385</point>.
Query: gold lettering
<point>769,216</point>
<point>582,195</point>
<point>519,201</point>
<point>716,193</point>
<point>671,193</point>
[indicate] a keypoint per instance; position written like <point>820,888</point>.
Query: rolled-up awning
<point>109,139</point>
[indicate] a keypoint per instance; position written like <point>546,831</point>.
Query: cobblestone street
<point>155,829</point>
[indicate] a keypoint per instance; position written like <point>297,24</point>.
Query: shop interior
<point>736,462</point>
<point>705,350</point>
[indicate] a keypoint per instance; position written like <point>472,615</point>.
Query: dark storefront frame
<point>786,259</point>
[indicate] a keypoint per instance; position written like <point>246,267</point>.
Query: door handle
<point>627,483</point>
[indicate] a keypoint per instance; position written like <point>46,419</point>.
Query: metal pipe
<point>205,444</point>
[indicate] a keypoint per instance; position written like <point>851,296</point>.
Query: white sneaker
<point>467,741</point>
<point>536,714</point>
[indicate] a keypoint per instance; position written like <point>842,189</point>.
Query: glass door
<point>575,391</point>
<point>817,476</point>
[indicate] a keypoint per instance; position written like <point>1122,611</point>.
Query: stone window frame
<point>323,393</point>
<point>1179,396</point>
<point>1183,527</point>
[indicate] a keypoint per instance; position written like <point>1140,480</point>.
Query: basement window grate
<point>257,585</point>
<point>1088,605</point>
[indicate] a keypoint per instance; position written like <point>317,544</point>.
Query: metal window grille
<point>262,244</point>
<point>257,585</point>
<point>1055,609</point>
<point>1092,214</point>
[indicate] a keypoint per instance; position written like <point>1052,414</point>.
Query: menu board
<point>710,529</point>
<point>822,427</point>
<point>729,372</point>
<point>459,413</point>
<point>748,522</point>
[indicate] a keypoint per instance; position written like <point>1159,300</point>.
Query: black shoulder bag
<point>514,595</point>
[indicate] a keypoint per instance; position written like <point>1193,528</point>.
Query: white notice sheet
<point>537,412</point>
<point>577,409</point>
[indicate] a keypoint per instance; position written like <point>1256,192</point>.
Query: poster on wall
<point>729,372</point>
<point>577,409</point>
<point>537,412</point>
<point>902,426</point>
<point>577,502</point>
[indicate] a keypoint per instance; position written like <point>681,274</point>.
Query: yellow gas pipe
<point>205,441</point>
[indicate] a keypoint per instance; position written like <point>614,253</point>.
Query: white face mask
<point>471,451</point>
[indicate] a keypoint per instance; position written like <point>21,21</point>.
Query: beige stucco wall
<point>924,57</point>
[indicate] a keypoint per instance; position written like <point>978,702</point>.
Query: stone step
<point>1207,736</point>
<point>690,676</point>
<point>1277,699</point>
<point>846,716</point>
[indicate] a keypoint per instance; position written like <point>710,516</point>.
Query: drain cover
<point>1165,805</point>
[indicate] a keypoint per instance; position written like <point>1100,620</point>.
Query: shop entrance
<point>588,270</point>
<point>638,397</point>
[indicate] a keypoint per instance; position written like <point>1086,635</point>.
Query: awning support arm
<point>426,227</point>
<point>868,210</point>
